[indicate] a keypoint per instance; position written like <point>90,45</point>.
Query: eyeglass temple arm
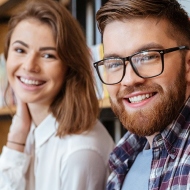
<point>176,48</point>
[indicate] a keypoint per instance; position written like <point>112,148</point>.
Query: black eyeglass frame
<point>162,52</point>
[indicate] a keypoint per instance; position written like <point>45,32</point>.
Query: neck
<point>38,112</point>
<point>150,139</point>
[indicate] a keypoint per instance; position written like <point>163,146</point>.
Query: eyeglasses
<point>146,64</point>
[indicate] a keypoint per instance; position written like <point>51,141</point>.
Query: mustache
<point>147,88</point>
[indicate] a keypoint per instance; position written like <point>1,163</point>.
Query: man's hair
<point>170,10</point>
<point>76,106</point>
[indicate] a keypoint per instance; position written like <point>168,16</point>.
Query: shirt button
<point>173,150</point>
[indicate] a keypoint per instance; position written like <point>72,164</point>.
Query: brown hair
<point>76,105</point>
<point>171,10</point>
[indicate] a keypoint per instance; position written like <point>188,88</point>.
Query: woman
<point>48,67</point>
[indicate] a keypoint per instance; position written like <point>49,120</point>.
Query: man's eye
<point>149,57</point>
<point>146,58</point>
<point>114,65</point>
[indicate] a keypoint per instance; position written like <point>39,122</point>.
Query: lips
<point>31,81</point>
<point>139,98</point>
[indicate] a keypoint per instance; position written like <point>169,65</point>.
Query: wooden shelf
<point>7,110</point>
<point>104,103</point>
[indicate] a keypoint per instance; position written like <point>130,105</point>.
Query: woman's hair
<point>170,10</point>
<point>76,106</point>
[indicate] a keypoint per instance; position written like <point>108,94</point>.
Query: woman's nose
<point>31,63</point>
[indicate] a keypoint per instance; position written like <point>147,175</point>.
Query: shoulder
<point>96,140</point>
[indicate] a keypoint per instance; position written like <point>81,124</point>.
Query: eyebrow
<point>20,42</point>
<point>47,48</point>
<point>40,49</point>
<point>145,47</point>
<point>149,46</point>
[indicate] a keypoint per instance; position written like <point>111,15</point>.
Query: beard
<point>155,118</point>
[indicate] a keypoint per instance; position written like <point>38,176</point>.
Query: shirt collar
<point>175,131</point>
<point>45,130</point>
<point>125,152</point>
<point>130,145</point>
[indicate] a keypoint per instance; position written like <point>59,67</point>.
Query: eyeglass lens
<point>145,64</point>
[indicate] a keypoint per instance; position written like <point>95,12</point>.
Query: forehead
<point>33,22</point>
<point>133,35</point>
<point>32,29</point>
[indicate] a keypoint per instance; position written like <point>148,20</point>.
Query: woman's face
<point>34,69</point>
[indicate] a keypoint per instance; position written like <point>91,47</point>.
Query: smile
<point>139,98</point>
<point>30,82</point>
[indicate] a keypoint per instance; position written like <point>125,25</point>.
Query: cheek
<point>170,74</point>
<point>188,71</point>
<point>112,90</point>
<point>10,68</point>
<point>59,78</point>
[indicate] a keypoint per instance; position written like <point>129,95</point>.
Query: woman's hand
<point>20,127</point>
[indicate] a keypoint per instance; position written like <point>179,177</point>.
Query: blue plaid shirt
<point>170,167</point>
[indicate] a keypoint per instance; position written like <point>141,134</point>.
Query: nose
<point>131,78</point>
<point>31,63</point>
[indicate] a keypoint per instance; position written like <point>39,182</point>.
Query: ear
<point>187,64</point>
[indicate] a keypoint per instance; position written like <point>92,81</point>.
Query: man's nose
<point>131,78</point>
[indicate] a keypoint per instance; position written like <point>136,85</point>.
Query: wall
<point>186,5</point>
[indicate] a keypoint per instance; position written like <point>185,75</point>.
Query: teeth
<point>139,98</point>
<point>30,82</point>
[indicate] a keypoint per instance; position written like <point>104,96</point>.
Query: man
<point>146,68</point>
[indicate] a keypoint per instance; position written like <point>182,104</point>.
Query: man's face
<point>145,106</point>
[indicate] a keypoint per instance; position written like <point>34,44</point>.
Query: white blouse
<point>75,162</point>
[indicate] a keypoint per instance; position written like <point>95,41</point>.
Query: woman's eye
<point>48,56</point>
<point>19,50</point>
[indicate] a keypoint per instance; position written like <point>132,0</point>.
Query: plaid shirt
<point>170,167</point>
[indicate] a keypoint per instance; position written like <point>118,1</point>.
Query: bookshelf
<point>7,110</point>
<point>104,103</point>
